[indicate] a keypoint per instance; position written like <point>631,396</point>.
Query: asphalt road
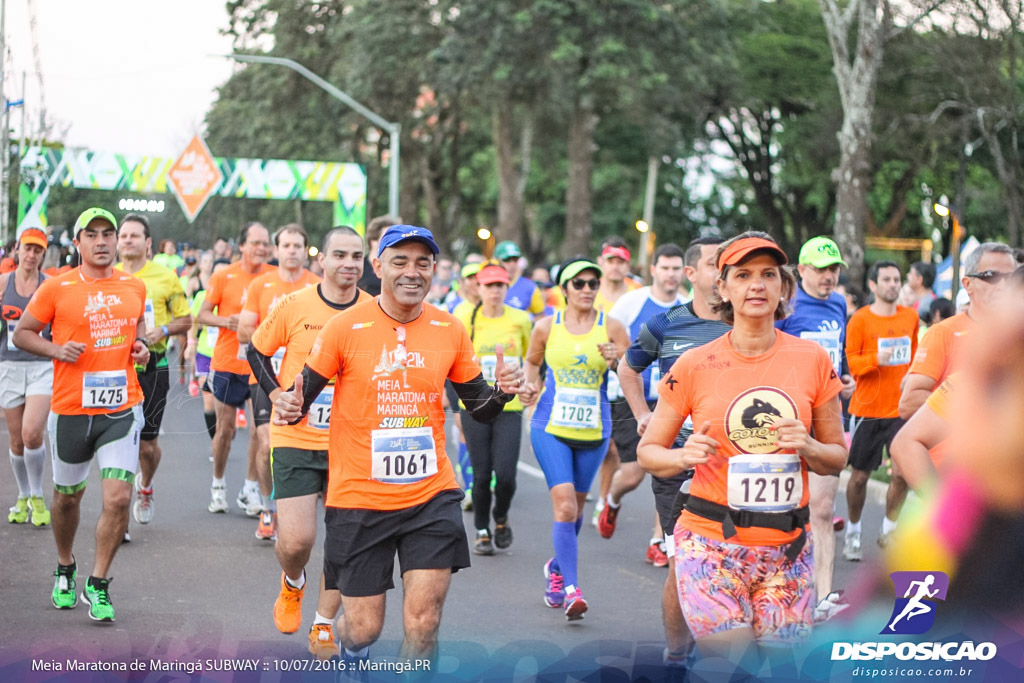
<point>197,587</point>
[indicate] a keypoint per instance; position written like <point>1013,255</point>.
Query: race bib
<point>900,347</point>
<point>276,359</point>
<point>614,386</point>
<point>489,366</point>
<point>830,342</point>
<point>652,391</point>
<point>107,390</point>
<point>242,350</point>
<point>149,316</point>
<point>320,410</point>
<point>211,335</point>
<point>765,483</point>
<point>576,408</point>
<point>11,324</point>
<point>402,456</point>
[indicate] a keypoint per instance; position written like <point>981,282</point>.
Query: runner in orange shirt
<point>744,561</point>
<point>390,487</point>
<point>229,368</point>
<point>880,341</point>
<point>298,455</point>
<point>984,270</point>
<point>263,293</point>
<point>96,314</point>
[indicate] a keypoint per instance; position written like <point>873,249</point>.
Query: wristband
<point>165,330</point>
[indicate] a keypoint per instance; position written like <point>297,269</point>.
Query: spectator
<point>921,278</point>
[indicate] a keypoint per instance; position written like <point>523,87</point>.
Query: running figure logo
<point>914,613</point>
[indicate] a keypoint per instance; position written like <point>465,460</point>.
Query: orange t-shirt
<point>387,446</point>
<point>741,396</point>
<point>7,265</point>
<point>103,315</point>
<point>878,387</point>
<point>294,324</point>
<point>937,356</point>
<point>227,292</point>
<point>266,290</point>
<point>939,402</point>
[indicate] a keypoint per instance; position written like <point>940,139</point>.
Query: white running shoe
<point>218,499</point>
<point>249,500</point>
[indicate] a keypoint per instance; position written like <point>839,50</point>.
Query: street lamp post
<point>956,236</point>
<point>394,129</point>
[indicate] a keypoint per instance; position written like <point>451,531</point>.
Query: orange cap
<point>490,274</point>
<point>33,236</point>
<point>739,250</point>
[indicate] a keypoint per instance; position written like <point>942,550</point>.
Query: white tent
<point>944,271</point>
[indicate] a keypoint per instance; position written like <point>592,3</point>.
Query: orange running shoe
<point>321,642</point>
<point>266,530</point>
<point>288,607</point>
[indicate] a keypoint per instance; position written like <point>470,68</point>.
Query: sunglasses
<point>593,284</point>
<point>990,276</point>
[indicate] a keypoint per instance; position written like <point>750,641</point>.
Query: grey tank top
<point>14,306</point>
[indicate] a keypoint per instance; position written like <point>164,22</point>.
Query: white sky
<point>119,75</point>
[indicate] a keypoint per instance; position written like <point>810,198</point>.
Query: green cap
<point>506,250</point>
<point>574,268</point>
<point>89,215</point>
<point>821,252</point>
<point>470,269</point>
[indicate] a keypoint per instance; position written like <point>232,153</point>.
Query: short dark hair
<point>613,241</point>
<point>244,235</point>
<point>943,306</point>
<point>877,266</point>
<point>376,227</point>
<point>668,250</point>
<point>926,271</point>
<point>337,230</point>
<point>293,228</point>
<point>136,218</point>
<point>692,257</point>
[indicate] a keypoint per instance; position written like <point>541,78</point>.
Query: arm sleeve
<point>483,401</point>
<point>41,305</point>
<point>263,370</point>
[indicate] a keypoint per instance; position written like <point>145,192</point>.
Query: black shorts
<point>871,436</point>
<point>261,405</point>
<point>624,430</point>
<point>155,381</point>
<point>359,550</point>
<point>665,491</point>
<point>297,472</point>
<point>230,388</point>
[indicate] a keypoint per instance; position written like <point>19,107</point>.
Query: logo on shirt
<point>439,323</point>
<point>403,422</point>
<point>97,303</point>
<point>751,416</point>
<point>362,326</point>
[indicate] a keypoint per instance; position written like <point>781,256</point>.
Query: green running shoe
<point>40,515</point>
<point>64,595</point>
<point>97,596</point>
<point>18,514</point>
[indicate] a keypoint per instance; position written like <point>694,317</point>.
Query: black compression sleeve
<point>312,384</point>
<point>262,370</point>
<point>482,401</point>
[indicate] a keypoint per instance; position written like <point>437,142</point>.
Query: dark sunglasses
<point>990,276</point>
<point>579,283</point>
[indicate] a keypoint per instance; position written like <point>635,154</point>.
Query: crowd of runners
<point>742,384</point>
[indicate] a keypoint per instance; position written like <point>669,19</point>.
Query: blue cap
<point>397,234</point>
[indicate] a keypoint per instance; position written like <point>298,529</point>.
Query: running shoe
<point>575,605</point>
<point>193,389</point>
<point>127,538</point>
<point>288,607</point>
<point>851,548</point>
<point>18,513</point>
<point>97,596</point>
<point>606,520</point>
<point>321,642</point>
<point>884,539</point>
<point>40,515</point>
<point>482,545</point>
<point>656,556</point>
<point>838,524</point>
<point>64,595</point>
<point>502,535</point>
<point>142,508</point>
<point>240,420</point>
<point>467,502</point>
<point>554,594</point>
<point>829,606</point>
<point>267,528</point>
<point>598,506</point>
<point>218,499</point>
<point>250,500</point>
